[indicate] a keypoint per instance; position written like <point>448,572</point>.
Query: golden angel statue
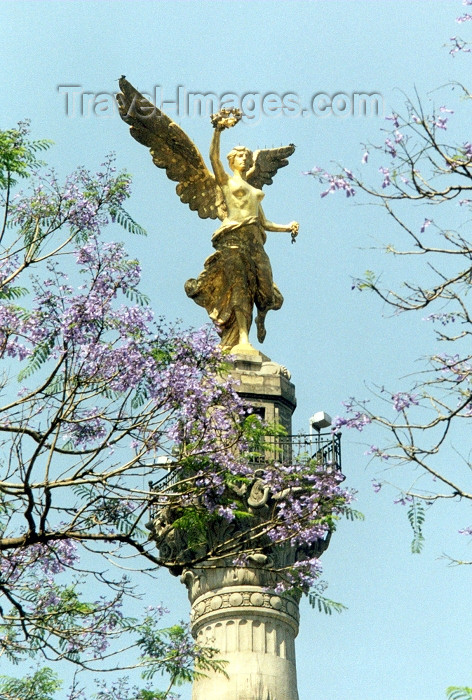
<point>238,275</point>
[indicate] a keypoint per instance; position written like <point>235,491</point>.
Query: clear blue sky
<point>406,634</point>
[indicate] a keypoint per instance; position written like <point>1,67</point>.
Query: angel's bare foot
<point>226,118</point>
<point>261,331</point>
<point>242,327</point>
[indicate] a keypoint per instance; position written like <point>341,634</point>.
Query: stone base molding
<point>254,631</point>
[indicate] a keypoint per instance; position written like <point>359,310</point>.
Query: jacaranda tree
<point>420,173</point>
<point>96,395</point>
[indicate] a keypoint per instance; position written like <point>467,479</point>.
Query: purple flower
<point>386,173</point>
<point>440,123</point>
<point>426,223</point>
<point>403,400</point>
<point>226,512</point>
<point>339,183</point>
<point>394,119</point>
<point>443,318</point>
<point>377,452</point>
<point>315,171</point>
<point>390,148</point>
<point>458,45</point>
<point>398,137</point>
<point>403,499</point>
<point>467,149</point>
<point>358,421</point>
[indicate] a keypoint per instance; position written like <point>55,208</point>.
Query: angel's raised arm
<point>224,119</point>
<point>221,175</point>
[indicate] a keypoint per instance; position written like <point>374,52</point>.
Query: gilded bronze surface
<point>238,276</point>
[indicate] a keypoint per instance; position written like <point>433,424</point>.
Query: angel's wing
<point>266,162</point>
<point>172,149</point>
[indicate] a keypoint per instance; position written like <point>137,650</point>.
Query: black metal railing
<point>166,481</point>
<point>323,448</point>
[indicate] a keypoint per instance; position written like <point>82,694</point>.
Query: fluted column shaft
<point>254,631</point>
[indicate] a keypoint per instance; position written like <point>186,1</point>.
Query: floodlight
<point>320,420</point>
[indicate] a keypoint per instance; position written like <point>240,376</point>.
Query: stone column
<point>235,608</point>
<point>253,629</point>
<point>267,387</point>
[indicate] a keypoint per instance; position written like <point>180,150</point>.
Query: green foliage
<point>13,292</point>
<point>171,651</point>
<point>258,434</point>
<point>369,281</point>
<point>18,154</point>
<point>162,354</point>
<point>126,221</point>
<point>456,693</point>
<point>136,296</point>
<point>416,516</point>
<point>322,604</point>
<point>195,522</point>
<point>41,685</point>
<point>352,514</point>
<point>139,398</point>
<point>152,695</point>
<point>40,355</point>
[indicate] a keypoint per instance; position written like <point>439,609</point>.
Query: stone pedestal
<point>267,387</point>
<point>253,629</point>
<point>235,608</point>
<point>232,608</point>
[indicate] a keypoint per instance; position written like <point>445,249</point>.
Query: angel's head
<point>240,159</point>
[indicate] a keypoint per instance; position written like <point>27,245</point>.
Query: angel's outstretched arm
<point>292,227</point>
<point>220,174</point>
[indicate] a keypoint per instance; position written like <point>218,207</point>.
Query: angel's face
<point>239,161</point>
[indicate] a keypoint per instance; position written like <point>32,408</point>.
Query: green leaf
<point>368,282</point>
<point>129,224</point>
<point>352,514</point>
<point>40,355</point>
<point>137,296</point>
<point>18,154</point>
<point>323,604</point>
<point>456,693</point>
<point>194,522</point>
<point>42,685</point>
<point>13,292</point>
<point>55,386</point>
<point>416,516</point>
